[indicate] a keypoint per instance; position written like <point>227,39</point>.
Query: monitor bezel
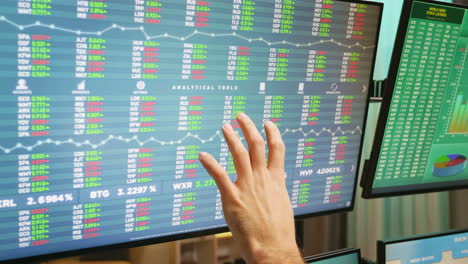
<point>370,167</point>
<point>334,254</point>
<point>212,231</point>
<point>382,244</point>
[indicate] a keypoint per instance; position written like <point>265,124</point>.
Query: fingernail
<point>241,116</point>
<point>227,127</point>
<point>269,123</point>
<point>202,155</point>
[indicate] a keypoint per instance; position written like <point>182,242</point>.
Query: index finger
<point>225,186</point>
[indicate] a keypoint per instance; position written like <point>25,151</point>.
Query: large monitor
<point>421,141</point>
<point>349,256</point>
<point>106,104</point>
<point>443,248</point>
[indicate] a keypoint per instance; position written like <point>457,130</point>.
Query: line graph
<point>462,67</point>
<point>140,142</point>
<point>167,35</point>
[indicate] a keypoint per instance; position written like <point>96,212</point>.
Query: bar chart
<point>460,115</point>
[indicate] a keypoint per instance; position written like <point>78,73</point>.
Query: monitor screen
<point>107,103</point>
<point>340,257</point>
<point>421,142</point>
<point>446,248</point>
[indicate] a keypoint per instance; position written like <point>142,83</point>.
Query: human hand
<point>257,206</point>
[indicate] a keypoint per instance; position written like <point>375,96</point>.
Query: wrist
<point>284,255</point>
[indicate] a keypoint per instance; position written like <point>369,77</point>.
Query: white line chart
<point>462,67</point>
<point>167,35</point>
<point>139,142</point>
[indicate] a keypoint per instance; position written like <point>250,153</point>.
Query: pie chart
<point>449,165</point>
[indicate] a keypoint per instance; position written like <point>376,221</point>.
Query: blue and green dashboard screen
<point>425,141</point>
<point>444,249</point>
<point>349,258</point>
<point>106,105</point>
